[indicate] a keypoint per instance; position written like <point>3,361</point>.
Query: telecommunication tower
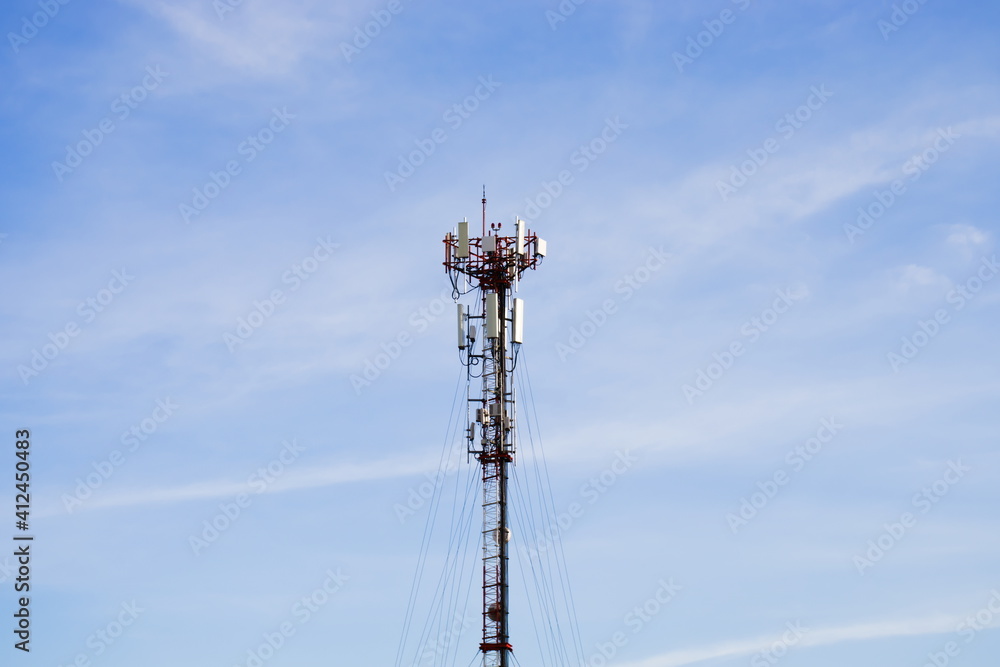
<point>492,264</point>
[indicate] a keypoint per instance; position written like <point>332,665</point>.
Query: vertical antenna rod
<point>493,264</point>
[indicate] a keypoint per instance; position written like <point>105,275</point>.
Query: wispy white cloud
<point>292,480</point>
<point>967,235</point>
<point>912,276</point>
<point>986,126</point>
<point>789,188</point>
<point>258,38</point>
<point>814,637</point>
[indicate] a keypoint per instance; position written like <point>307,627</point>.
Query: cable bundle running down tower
<point>492,263</point>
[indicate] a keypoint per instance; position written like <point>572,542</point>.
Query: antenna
<point>462,336</point>
<point>493,263</point>
<point>462,252</point>
<point>517,322</point>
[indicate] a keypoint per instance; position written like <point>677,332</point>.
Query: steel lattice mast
<point>493,263</point>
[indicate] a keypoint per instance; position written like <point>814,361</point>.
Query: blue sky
<point>770,282</point>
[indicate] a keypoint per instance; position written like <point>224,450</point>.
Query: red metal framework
<point>494,271</point>
<point>493,264</point>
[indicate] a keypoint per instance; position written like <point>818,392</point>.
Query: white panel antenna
<point>518,321</point>
<point>462,252</point>
<point>492,319</point>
